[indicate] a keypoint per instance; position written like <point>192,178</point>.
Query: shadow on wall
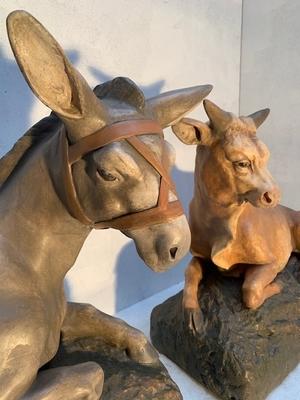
<point>16,101</point>
<point>134,279</point>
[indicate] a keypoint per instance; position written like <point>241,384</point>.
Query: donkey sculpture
<point>235,218</point>
<point>99,161</point>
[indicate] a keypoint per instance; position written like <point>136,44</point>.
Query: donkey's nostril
<point>267,198</point>
<point>173,252</point>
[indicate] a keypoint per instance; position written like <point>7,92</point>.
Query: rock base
<point>124,378</point>
<point>240,354</point>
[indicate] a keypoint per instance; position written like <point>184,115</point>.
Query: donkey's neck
<point>35,223</point>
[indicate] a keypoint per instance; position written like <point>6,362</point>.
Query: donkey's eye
<point>106,175</point>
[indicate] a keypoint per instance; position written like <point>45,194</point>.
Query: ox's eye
<point>242,165</point>
<point>107,176</point>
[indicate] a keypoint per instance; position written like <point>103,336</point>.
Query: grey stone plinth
<point>240,354</point>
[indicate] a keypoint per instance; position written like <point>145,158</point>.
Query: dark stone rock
<point>124,378</point>
<point>240,354</point>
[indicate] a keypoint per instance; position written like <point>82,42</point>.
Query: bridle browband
<point>129,131</point>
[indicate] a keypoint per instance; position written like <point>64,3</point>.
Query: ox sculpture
<point>235,218</point>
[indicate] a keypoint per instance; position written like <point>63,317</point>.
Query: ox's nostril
<point>267,198</point>
<point>173,252</point>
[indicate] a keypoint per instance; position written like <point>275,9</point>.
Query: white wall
<point>160,44</point>
<point>270,77</point>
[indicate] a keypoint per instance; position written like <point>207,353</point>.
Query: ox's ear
<point>50,75</point>
<point>191,131</point>
<point>170,107</point>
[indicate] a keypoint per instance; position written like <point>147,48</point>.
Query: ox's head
<point>231,160</point>
<point>114,180</point>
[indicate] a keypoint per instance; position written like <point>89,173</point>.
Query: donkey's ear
<point>170,107</point>
<point>191,131</point>
<point>47,70</point>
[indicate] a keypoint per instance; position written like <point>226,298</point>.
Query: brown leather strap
<point>70,194</point>
<point>128,130</point>
<point>112,133</point>
<point>164,209</point>
<point>144,218</point>
<point>163,199</point>
<point>148,154</point>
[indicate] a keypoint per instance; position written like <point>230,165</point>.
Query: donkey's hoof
<point>142,351</point>
<point>193,319</point>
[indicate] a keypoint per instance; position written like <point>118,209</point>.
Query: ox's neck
<point>218,218</point>
<point>212,191</point>
<point>36,228</point>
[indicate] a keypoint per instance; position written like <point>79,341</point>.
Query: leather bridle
<point>129,131</point>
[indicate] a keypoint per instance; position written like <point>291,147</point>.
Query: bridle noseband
<point>129,131</point>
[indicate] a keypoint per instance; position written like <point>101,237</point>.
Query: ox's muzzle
<point>267,198</point>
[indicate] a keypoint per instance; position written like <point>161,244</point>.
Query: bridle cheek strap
<point>124,130</point>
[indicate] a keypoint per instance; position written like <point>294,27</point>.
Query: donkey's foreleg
<point>17,373</point>
<point>84,320</point>
<point>78,382</point>
<point>22,351</point>
<point>192,313</point>
<point>258,285</point>
<point>25,347</point>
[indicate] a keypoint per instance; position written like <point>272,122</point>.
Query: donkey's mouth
<point>159,268</point>
<point>162,246</point>
<point>163,261</point>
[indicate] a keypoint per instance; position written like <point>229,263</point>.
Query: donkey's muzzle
<point>162,246</point>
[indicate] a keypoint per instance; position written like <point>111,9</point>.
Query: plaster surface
<point>270,77</point>
<point>160,44</point>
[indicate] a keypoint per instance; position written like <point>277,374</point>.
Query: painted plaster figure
<point>235,218</point>
<point>96,162</point>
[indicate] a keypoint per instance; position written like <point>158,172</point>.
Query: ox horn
<point>259,116</point>
<point>168,108</point>
<point>218,117</point>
